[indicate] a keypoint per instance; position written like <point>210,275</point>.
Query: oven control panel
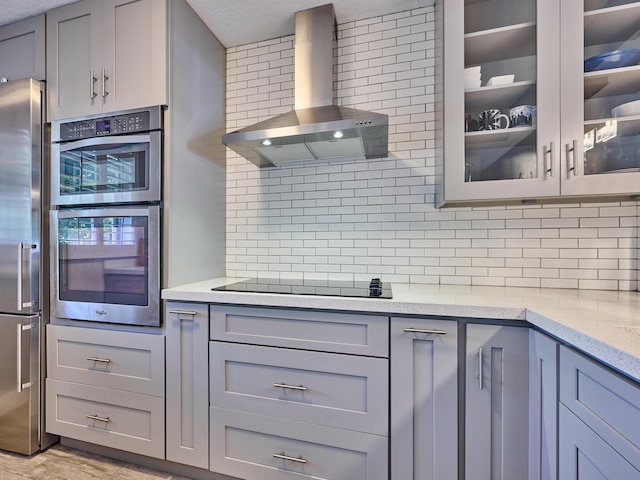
<point>133,122</point>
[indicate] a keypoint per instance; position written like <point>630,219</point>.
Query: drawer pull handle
<point>425,330</point>
<point>180,313</point>
<point>282,455</point>
<point>98,418</point>
<point>98,359</point>
<point>301,388</point>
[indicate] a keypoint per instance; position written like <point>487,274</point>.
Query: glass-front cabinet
<point>539,99</point>
<point>601,106</point>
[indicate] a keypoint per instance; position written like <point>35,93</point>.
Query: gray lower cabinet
<point>543,409</point>
<point>424,399</point>
<point>187,332</point>
<point>496,402</point>
<point>599,421</point>
<point>298,394</point>
<point>106,387</point>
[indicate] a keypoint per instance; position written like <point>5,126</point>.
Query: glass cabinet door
<point>601,97</point>
<point>501,99</point>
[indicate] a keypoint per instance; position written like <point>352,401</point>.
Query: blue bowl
<point>615,59</point>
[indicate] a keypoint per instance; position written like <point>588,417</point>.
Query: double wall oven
<point>106,174</point>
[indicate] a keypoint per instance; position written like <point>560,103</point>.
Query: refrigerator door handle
<point>21,304</point>
<point>20,329</point>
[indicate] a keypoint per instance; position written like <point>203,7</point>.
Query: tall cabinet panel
<point>497,402</point>
<point>424,399</point>
<point>543,418</point>
<point>106,56</point>
<point>187,327</point>
<point>501,99</point>
<point>22,49</point>
<point>600,97</point>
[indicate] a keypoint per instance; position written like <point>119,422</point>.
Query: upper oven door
<point>104,170</point>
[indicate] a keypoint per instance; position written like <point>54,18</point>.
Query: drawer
<point>606,402</point>
<point>253,446</point>
<point>310,330</point>
<point>331,389</point>
<point>111,418</point>
<point>133,362</point>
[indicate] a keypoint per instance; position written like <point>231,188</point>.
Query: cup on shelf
<point>470,122</point>
<point>492,119</point>
<point>522,116</point>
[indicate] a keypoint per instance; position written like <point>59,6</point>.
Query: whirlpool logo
<point>101,312</point>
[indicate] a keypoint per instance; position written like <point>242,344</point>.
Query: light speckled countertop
<point>603,324</point>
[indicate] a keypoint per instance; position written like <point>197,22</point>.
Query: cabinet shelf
<point>609,25</point>
<point>507,137</point>
<point>499,96</point>
<point>615,81</point>
<point>627,126</point>
<point>513,41</point>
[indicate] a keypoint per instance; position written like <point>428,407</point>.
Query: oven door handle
<point>100,141</point>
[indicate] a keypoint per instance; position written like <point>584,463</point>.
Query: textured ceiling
<point>238,22</point>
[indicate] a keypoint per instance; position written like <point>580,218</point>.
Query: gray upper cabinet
<point>106,56</point>
<point>536,104</point>
<point>497,402</point>
<point>424,399</point>
<point>22,49</point>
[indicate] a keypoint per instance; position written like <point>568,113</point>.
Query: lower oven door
<point>106,264</point>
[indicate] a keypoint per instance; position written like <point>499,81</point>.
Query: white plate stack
<point>472,77</point>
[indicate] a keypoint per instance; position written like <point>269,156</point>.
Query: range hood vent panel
<point>314,119</point>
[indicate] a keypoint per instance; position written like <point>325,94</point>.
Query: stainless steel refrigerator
<point>21,320</point>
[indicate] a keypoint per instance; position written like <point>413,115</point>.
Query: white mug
<point>493,119</point>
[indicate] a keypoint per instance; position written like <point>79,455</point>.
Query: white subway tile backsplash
<point>353,219</point>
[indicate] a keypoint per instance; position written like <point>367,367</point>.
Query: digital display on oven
<point>103,127</point>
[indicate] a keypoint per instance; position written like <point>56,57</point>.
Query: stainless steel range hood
<point>316,129</point>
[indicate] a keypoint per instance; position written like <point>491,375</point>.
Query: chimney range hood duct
<point>316,129</point>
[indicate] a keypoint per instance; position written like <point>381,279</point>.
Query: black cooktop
<point>371,289</point>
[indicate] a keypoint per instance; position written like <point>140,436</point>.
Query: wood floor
<point>65,463</point>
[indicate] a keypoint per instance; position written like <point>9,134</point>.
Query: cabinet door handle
<point>92,85</point>
<point>428,331</point>
<point>21,328</point>
<point>283,456</point>
<point>98,418</point>
<point>573,148</point>
<point>98,359</point>
<point>552,157</point>
<point>300,388</point>
<point>180,313</point>
<point>21,247</point>
<point>480,351</point>
<point>104,82</point>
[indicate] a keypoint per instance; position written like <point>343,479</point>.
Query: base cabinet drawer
<point>606,402</point>
<point>342,391</point>
<point>583,455</point>
<point>307,330</point>
<point>123,420</point>
<point>128,361</point>
<point>251,446</point>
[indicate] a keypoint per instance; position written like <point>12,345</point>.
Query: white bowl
<point>471,83</point>
<point>473,69</point>
<point>626,109</point>
<point>500,80</point>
